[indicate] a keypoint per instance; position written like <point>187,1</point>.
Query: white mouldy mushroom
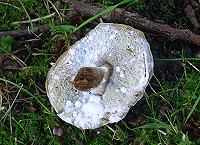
<point>98,79</point>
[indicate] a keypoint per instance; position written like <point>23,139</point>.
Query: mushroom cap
<point>122,46</point>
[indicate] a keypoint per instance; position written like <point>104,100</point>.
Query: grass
<point>6,44</point>
<point>170,108</point>
<point>31,23</point>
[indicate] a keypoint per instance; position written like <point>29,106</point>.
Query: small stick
<point>33,20</point>
<point>61,19</point>
<point>37,30</point>
<point>9,5</point>
<point>9,109</point>
<point>190,13</point>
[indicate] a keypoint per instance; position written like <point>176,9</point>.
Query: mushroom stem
<point>108,69</point>
<point>93,79</point>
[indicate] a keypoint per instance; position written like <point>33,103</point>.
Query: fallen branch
<point>122,16</point>
<point>37,30</point>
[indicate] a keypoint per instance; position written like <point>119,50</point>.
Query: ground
<point>169,111</point>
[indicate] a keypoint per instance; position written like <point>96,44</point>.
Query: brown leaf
<point>31,109</point>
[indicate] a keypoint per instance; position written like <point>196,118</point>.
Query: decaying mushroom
<point>101,76</point>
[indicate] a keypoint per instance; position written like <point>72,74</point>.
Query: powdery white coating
<point>123,90</point>
<point>127,50</point>
<point>78,103</point>
<point>118,69</point>
<point>122,75</point>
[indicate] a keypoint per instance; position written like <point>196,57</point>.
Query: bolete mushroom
<point>98,79</point>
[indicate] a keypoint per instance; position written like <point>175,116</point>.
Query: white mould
<point>101,76</point>
<point>123,90</point>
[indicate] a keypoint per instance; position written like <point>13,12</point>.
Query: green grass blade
<point>66,28</point>
<point>26,91</point>
<point>193,108</point>
<point>109,9</point>
<point>187,141</point>
<point>31,23</point>
<point>176,59</point>
<point>13,120</point>
<point>195,104</point>
<point>155,125</point>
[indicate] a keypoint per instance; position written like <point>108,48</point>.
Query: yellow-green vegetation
<point>6,44</point>
<point>169,113</point>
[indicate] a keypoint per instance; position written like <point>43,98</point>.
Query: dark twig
<point>122,16</point>
<point>190,13</point>
<point>37,30</point>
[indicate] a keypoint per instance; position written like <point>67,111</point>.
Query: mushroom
<point>98,79</point>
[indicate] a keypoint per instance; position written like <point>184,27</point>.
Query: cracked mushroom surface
<point>101,76</point>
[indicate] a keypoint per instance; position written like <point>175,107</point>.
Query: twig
<point>42,54</point>
<point>37,30</point>
<point>19,61</point>
<point>193,66</point>
<point>33,20</point>
<point>9,5</point>
<point>56,10</point>
<point>8,111</point>
<point>1,98</point>
<point>114,133</point>
<point>122,16</point>
<point>190,13</point>
<point>174,128</point>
